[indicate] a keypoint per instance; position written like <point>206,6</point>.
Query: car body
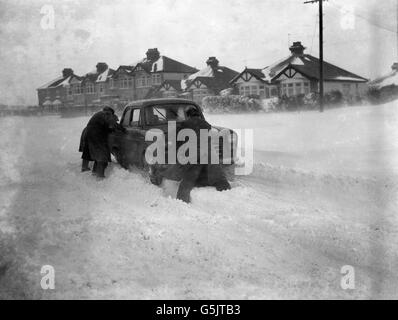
<point>129,146</point>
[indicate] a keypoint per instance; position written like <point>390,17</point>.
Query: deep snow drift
<point>323,194</point>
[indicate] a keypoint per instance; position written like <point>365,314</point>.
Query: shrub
<point>230,104</point>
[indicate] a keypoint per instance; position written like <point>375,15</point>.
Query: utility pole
<point>320,3</point>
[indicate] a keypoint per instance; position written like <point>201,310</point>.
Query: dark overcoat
<point>94,138</point>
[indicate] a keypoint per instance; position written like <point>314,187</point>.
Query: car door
<point>132,141</point>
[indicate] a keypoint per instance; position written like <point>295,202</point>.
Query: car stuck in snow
<point>142,120</point>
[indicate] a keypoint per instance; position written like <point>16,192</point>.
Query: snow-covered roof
<point>305,64</point>
<point>102,77</point>
<point>390,79</point>
<point>206,72</point>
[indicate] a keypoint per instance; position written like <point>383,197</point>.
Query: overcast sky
<point>253,33</point>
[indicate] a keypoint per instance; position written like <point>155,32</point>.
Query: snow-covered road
<point>323,194</point>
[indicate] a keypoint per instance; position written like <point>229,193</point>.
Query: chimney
<point>395,66</point>
<point>212,62</point>
<point>67,72</point>
<point>101,67</point>
<point>153,54</point>
<point>297,48</point>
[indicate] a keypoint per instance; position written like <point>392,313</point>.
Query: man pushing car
<point>94,141</point>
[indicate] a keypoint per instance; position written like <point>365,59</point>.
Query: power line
<point>367,19</point>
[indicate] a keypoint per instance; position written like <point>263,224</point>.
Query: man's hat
<point>108,109</point>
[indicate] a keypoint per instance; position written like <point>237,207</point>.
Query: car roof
<point>146,102</point>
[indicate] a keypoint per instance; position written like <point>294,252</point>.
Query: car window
<point>160,114</point>
<point>135,121</point>
<point>126,118</point>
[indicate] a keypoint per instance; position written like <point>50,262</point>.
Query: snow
<point>297,61</point>
<point>159,65</point>
<point>102,77</point>
<point>44,86</point>
<point>206,72</point>
<point>389,80</point>
<point>348,78</point>
<point>323,194</point>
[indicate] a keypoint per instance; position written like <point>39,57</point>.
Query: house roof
<point>390,79</point>
<point>308,65</point>
<point>60,82</point>
<point>165,64</point>
<point>305,64</point>
<point>215,78</point>
<point>95,76</point>
<point>257,73</point>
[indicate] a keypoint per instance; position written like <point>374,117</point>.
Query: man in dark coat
<point>94,141</point>
<point>192,172</point>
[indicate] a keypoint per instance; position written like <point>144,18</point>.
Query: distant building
<point>298,74</point>
<point>387,84</point>
<point>104,85</point>
<point>56,92</point>
<point>208,81</point>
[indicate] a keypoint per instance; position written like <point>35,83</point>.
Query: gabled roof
<point>257,73</point>
<point>216,78</point>
<point>305,64</point>
<point>176,84</point>
<point>308,66</point>
<point>155,91</point>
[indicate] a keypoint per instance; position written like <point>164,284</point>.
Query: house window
<point>90,88</point>
<point>111,83</point>
<point>141,81</point>
<point>77,89</point>
<point>346,88</point>
<point>254,90</point>
<point>298,88</point>
<point>156,79</point>
<point>284,89</point>
<point>101,88</point>
<point>69,91</point>
<point>125,83</point>
<point>307,87</point>
<point>262,92</point>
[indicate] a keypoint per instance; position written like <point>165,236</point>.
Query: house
<point>145,78</point>
<point>57,92</point>
<point>94,87</point>
<point>387,84</point>
<point>209,81</point>
<point>150,76</point>
<point>298,74</point>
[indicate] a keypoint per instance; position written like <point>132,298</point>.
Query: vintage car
<point>129,146</point>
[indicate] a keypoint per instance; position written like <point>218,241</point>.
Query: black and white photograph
<point>189,150</point>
